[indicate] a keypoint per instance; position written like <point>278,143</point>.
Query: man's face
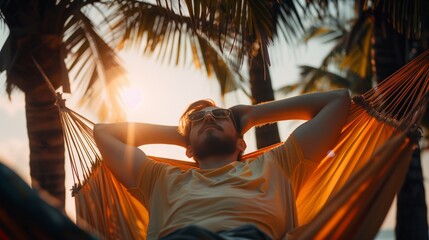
<point>212,135</point>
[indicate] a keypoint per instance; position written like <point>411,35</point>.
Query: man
<point>225,198</point>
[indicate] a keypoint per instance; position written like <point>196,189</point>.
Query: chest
<point>232,182</point>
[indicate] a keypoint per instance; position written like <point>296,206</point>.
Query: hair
<point>184,123</point>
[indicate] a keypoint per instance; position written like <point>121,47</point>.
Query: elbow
<point>344,93</point>
<point>97,130</point>
<point>347,96</point>
<point>344,96</point>
<point>343,102</point>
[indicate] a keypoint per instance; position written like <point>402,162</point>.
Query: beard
<point>214,146</point>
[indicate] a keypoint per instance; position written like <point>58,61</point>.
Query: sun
<point>131,96</point>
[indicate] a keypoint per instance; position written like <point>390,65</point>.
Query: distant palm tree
<point>387,34</point>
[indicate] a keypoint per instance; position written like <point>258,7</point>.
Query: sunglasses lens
<point>220,113</point>
<point>217,113</point>
<point>195,116</point>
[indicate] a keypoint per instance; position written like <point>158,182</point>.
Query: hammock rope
<point>347,196</point>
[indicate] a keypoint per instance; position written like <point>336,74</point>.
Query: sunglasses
<point>216,113</point>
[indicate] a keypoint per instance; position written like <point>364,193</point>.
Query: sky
<point>158,94</point>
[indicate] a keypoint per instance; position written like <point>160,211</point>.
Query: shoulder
<point>287,155</point>
<point>290,149</point>
<point>153,169</point>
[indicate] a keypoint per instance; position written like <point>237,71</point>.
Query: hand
<point>242,117</point>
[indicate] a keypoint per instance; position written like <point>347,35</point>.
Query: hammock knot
<point>415,133</point>
<point>360,100</point>
<point>61,103</point>
<point>75,189</point>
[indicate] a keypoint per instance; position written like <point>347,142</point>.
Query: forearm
<point>303,107</point>
<point>137,134</point>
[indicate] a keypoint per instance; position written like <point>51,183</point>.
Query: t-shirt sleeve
<point>291,159</point>
<point>149,173</point>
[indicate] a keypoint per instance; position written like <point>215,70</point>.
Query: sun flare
<point>131,97</point>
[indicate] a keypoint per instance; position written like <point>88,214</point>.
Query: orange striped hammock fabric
<point>347,196</point>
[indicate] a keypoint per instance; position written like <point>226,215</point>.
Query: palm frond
<point>226,73</point>
<point>324,33</point>
<point>261,27</point>
<point>154,31</point>
<point>323,7</point>
<point>358,54</point>
<point>95,66</point>
<point>288,17</point>
<point>334,57</point>
<point>312,80</point>
<point>6,54</point>
<point>329,34</point>
<point>352,49</point>
<point>2,19</point>
<point>313,76</point>
<point>220,21</point>
<point>317,79</point>
<point>407,17</point>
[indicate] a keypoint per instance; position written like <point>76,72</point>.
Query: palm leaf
<point>352,49</point>
<point>223,20</point>
<point>95,66</point>
<point>287,18</point>
<point>226,73</point>
<point>65,20</point>
<point>315,79</point>
<point>406,16</point>
<point>152,30</point>
<point>358,49</point>
<point>325,33</point>
<point>312,76</point>
<point>329,33</point>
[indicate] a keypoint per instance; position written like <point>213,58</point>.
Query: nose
<point>208,117</point>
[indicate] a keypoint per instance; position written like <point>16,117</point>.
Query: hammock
<point>347,196</point>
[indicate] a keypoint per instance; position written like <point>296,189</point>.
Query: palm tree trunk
<point>46,142</point>
<point>390,53</point>
<point>262,91</point>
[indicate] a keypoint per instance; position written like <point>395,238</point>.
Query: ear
<point>189,152</point>
<point>241,145</point>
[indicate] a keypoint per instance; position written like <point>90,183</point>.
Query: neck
<point>213,162</point>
